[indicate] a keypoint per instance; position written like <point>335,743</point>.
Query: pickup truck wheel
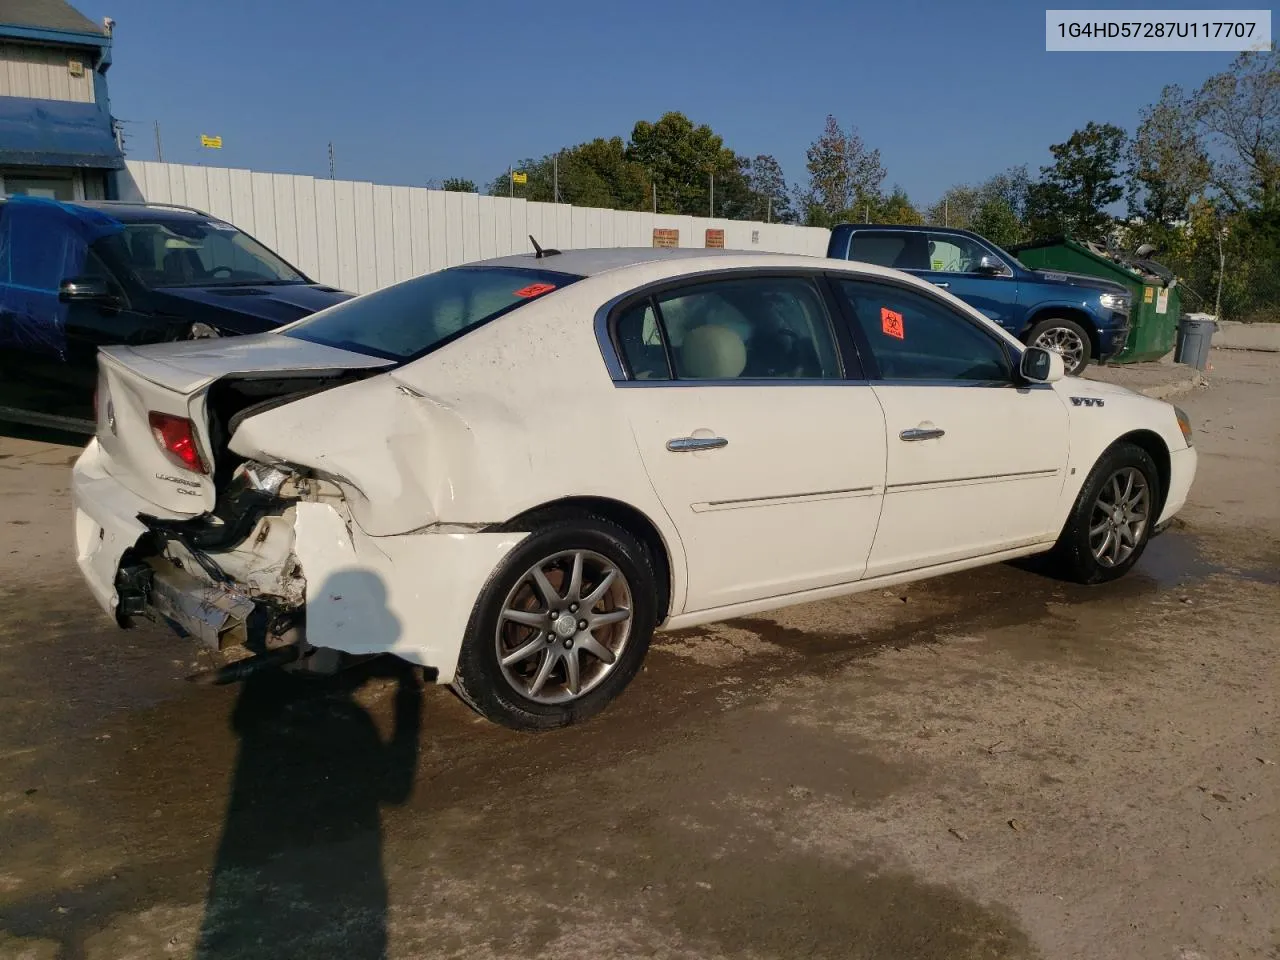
<point>1065,337</point>
<point>561,627</point>
<point>1110,524</point>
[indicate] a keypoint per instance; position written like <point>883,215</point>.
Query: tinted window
<point>641,343</point>
<point>902,251</point>
<point>749,328</point>
<point>414,317</point>
<point>914,337</point>
<point>190,252</point>
<point>951,253</point>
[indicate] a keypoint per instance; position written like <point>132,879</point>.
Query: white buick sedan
<point>513,472</point>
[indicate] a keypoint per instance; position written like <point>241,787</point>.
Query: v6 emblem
<point>1087,402</point>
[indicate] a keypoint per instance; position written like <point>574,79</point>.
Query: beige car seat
<point>712,352</point>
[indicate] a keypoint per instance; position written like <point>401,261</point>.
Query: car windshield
<point>199,253</point>
<point>415,317</point>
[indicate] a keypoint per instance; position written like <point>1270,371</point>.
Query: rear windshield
<point>415,317</point>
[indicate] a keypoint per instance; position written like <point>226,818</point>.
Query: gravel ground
<point>987,765</point>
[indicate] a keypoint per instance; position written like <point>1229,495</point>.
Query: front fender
<point>1099,414</point>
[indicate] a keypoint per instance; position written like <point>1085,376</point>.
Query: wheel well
<point>1068,313</point>
<point>1158,451</point>
<point>625,516</point>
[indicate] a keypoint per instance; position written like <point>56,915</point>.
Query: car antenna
<point>538,252</point>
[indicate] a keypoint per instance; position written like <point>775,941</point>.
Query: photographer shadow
<point>299,868</point>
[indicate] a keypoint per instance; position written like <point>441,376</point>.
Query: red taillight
<point>177,438</point>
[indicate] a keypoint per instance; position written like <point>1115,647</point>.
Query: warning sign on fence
<point>666,237</point>
<point>715,239</point>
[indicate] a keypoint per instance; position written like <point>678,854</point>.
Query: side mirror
<point>990,266</point>
<point>86,290</point>
<point>1041,366</point>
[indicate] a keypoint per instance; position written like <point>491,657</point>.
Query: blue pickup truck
<point>1083,318</point>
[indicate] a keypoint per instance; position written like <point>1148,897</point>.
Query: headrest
<point>713,352</point>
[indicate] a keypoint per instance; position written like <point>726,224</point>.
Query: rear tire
<point>1065,337</point>
<point>1110,524</point>
<point>550,648</point>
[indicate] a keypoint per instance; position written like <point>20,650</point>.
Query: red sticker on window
<point>891,323</point>
<point>535,290</point>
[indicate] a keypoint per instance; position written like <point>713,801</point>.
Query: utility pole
<point>946,212</point>
<point>511,182</point>
<point>868,220</point>
<point>331,166</point>
<point>159,151</point>
<point>711,201</point>
<point>555,177</point>
<point>655,196</point>
<point>769,216</point>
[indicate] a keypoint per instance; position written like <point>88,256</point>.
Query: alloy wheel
<point>563,626</point>
<point>1120,516</point>
<point>1064,341</point>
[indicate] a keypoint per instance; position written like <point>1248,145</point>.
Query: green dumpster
<point>1153,318</point>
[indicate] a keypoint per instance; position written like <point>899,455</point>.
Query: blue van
<point>1083,318</point>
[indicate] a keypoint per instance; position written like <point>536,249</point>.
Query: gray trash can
<point>1195,336</point>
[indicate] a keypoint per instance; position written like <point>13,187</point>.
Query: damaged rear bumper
<point>410,595</point>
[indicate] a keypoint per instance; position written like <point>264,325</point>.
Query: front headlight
<point>1115,301</point>
<point>1184,424</point>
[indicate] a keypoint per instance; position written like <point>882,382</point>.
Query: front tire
<point>1065,337</point>
<point>1111,521</point>
<point>562,626</point>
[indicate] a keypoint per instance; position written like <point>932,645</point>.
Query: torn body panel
<point>303,559</point>
<point>409,595</point>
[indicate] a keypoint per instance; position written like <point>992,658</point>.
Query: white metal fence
<point>361,236</point>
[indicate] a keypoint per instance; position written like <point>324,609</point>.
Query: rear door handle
<point>693,444</point>
<point>942,283</point>
<point>920,433</point>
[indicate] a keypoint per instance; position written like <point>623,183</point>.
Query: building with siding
<point>57,138</point>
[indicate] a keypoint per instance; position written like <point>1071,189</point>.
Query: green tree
<point>1085,178</point>
<point>843,175</point>
<point>770,198</point>
<point>995,208</point>
<point>1239,111</point>
<point>896,208</point>
<point>681,158</point>
<point>458,185</point>
<point>592,174</point>
<point>1168,166</point>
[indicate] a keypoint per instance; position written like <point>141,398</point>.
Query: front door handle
<point>942,283</point>
<point>920,433</point>
<point>693,444</point>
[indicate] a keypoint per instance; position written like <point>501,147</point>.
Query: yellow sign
<point>519,177</point>
<point>1148,294</point>
<point>715,239</point>
<point>213,143</point>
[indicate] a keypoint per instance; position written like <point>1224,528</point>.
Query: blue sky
<point>949,92</point>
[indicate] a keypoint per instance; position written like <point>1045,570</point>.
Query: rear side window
<point>413,318</point>
<point>901,251</point>
<point>753,328</point>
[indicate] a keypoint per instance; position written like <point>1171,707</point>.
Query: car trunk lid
<point>143,389</point>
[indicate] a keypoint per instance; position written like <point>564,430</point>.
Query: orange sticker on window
<point>891,323</point>
<point>535,290</point>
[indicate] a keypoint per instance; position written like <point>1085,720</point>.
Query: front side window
<point>751,328</point>
<point>914,337</point>
<point>952,253</point>
<point>413,318</point>
<point>180,252</point>
<point>905,250</point>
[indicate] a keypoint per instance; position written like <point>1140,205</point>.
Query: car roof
<point>905,228</point>
<point>592,261</point>
<point>127,212</point>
